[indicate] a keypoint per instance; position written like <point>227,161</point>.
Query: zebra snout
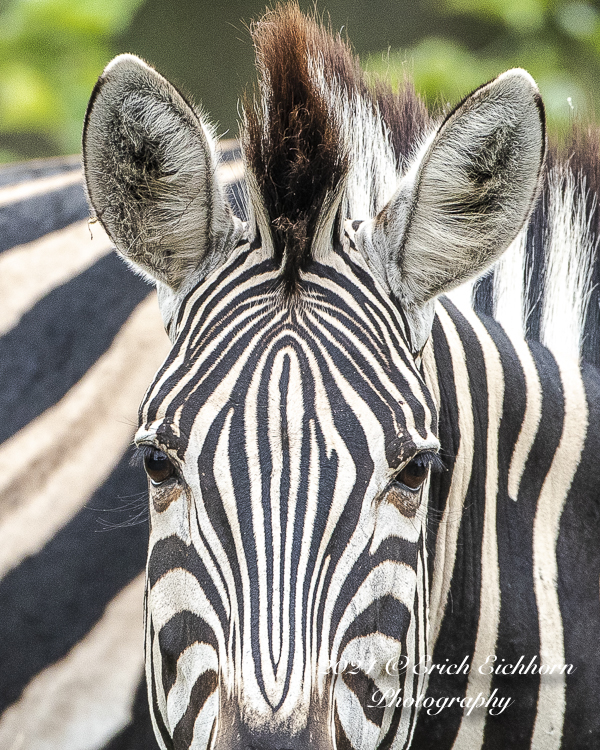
<point>309,738</point>
<point>276,743</point>
<point>290,745</point>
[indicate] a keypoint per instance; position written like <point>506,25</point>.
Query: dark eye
<point>414,473</point>
<point>158,465</point>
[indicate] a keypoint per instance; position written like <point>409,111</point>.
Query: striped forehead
<point>342,341</point>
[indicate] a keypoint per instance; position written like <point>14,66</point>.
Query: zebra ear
<point>464,200</point>
<point>150,166</point>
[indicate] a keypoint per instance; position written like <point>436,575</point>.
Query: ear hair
<point>464,200</point>
<point>150,164</point>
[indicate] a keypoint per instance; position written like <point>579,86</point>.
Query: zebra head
<point>290,435</point>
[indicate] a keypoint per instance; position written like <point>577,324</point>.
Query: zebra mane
<point>546,287</point>
<point>320,143</point>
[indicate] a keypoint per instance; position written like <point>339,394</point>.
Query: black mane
<point>293,140</point>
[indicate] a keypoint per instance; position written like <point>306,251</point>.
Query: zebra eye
<point>158,465</point>
<point>414,473</point>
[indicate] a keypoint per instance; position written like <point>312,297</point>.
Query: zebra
<point>373,512</point>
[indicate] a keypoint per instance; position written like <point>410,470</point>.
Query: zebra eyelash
<point>433,461</point>
<point>141,452</point>
<point>144,451</point>
<point>428,460</point>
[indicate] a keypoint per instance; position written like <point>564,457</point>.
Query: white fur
<point>570,252</point>
<point>510,295</point>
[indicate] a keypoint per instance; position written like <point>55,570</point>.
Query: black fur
<point>293,145</point>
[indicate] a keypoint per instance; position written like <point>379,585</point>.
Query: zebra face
<point>287,447</point>
<point>289,436</point>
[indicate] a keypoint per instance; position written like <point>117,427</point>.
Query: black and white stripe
<point>517,505</point>
<point>315,366</point>
<point>315,373</point>
<point>291,562</point>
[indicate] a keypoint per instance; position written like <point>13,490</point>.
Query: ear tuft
<point>150,166</point>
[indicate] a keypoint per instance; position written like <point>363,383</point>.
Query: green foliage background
<point>51,52</point>
<point>557,42</point>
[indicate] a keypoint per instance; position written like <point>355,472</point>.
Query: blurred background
<point>51,52</point>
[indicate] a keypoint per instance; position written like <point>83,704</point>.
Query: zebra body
<point>291,437</point>
<point>65,680</point>
<point>532,420</point>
